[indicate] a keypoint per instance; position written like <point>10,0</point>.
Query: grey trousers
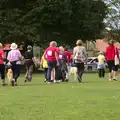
<point>29,72</point>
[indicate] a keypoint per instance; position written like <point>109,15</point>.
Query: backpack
<point>79,56</point>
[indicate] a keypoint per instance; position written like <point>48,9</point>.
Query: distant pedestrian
<point>14,57</point>
<point>45,66</point>
<point>29,64</point>
<point>51,56</point>
<point>2,66</point>
<point>80,56</point>
<point>69,62</point>
<point>101,65</point>
<point>111,51</point>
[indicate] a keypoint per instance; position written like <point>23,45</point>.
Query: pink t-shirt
<point>1,59</point>
<point>14,55</point>
<point>68,54</point>
<point>50,53</point>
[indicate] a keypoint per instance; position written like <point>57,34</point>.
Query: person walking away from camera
<point>101,65</point>
<point>63,65</point>
<point>52,60</point>
<point>79,56</point>
<point>2,66</point>
<point>111,51</point>
<point>14,57</point>
<point>29,64</point>
<point>45,66</point>
<point>69,62</point>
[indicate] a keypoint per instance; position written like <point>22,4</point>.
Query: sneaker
<point>25,80</point>
<point>59,81</point>
<point>114,79</point>
<point>4,84</point>
<point>48,82</point>
<point>55,81</point>
<point>79,79</point>
<point>67,80</point>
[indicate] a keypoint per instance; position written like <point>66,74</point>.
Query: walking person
<point>14,57</point>
<point>111,51</point>
<point>52,60</point>
<point>79,56</point>
<point>29,64</point>
<point>62,57</point>
<point>69,62</point>
<point>2,66</point>
<point>101,65</point>
<point>44,66</point>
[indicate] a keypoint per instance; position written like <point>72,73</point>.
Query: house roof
<point>102,44</point>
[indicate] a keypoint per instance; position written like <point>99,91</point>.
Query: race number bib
<point>49,53</point>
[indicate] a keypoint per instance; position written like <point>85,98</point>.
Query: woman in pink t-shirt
<point>111,51</point>
<point>2,66</point>
<point>52,59</point>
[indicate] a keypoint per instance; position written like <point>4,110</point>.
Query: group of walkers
<point>11,63</point>
<point>60,61</point>
<point>57,62</point>
<point>112,59</point>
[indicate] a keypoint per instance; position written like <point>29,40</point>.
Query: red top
<point>68,54</point>
<point>1,59</point>
<point>111,51</point>
<point>50,53</point>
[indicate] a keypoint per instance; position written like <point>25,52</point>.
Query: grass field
<point>95,99</point>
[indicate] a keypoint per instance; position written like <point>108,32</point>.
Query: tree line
<point>40,21</point>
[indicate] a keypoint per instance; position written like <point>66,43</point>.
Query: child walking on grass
<point>101,65</point>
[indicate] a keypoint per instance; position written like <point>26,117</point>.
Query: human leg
<point>2,71</point>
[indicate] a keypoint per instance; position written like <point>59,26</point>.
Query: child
<point>45,66</point>
<point>101,65</point>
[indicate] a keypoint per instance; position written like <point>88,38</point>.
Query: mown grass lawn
<point>96,99</point>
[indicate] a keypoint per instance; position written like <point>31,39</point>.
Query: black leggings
<point>80,68</point>
<point>101,73</point>
<point>2,71</point>
<point>110,65</point>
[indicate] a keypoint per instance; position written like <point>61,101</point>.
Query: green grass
<point>96,99</point>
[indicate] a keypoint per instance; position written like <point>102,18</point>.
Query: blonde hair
<point>79,42</point>
<point>1,45</point>
<point>111,42</point>
<point>61,48</point>
<point>53,43</point>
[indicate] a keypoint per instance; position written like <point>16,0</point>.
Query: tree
<point>44,20</point>
<point>113,17</point>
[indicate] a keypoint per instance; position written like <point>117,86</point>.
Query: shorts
<point>115,68</point>
<point>110,65</point>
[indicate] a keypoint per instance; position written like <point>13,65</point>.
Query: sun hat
<point>13,46</point>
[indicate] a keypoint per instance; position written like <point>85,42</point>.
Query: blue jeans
<point>16,71</point>
<point>51,65</point>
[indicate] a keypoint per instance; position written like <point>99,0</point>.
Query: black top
<point>28,55</point>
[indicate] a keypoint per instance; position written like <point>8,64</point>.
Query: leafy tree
<point>113,17</point>
<point>43,20</point>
